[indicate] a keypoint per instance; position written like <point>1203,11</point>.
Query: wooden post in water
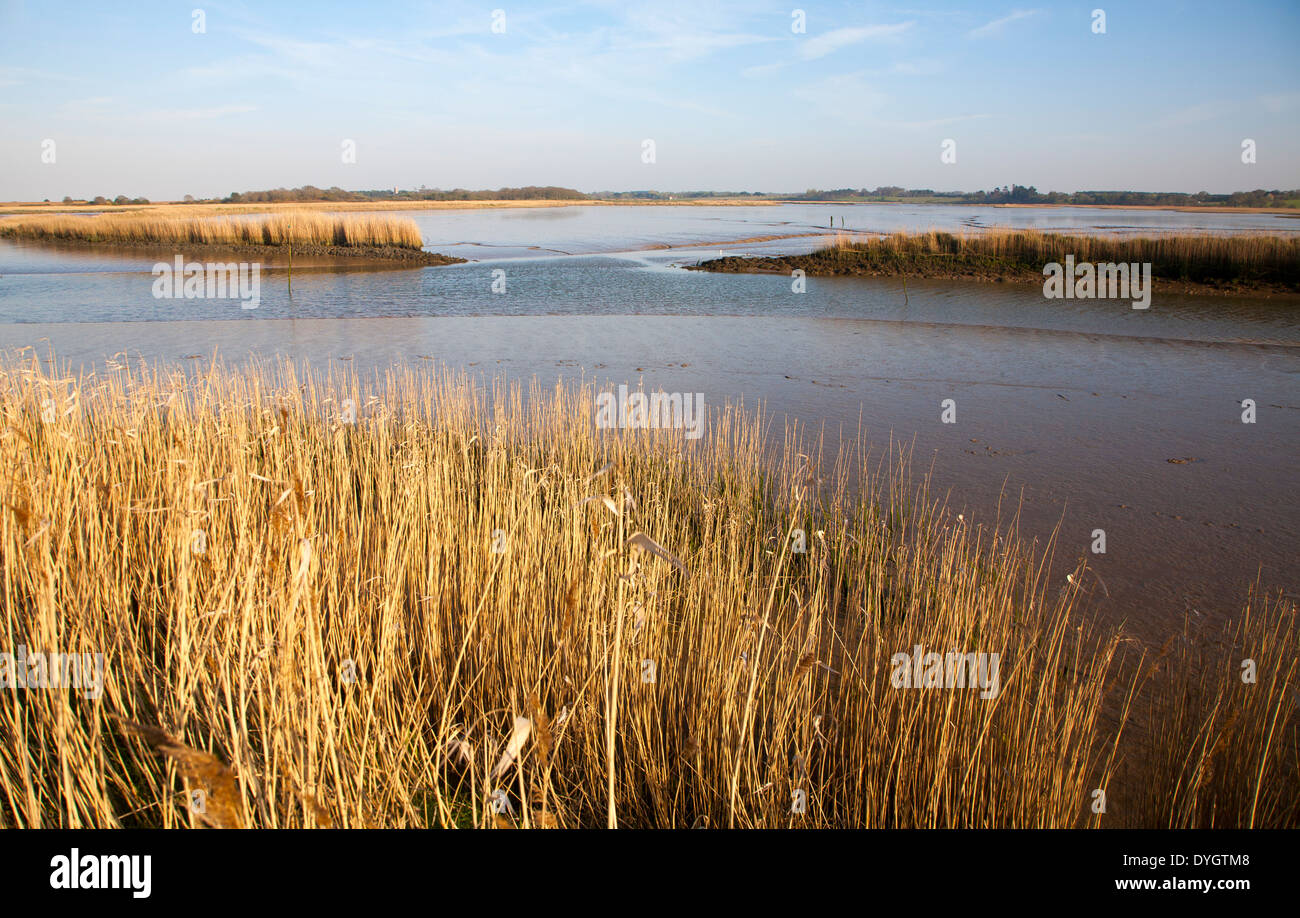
<point>290,259</point>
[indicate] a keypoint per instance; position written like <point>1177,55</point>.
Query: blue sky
<point>137,103</point>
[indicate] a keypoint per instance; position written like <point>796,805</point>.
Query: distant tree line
<point>883,193</point>
<point>312,193</point>
<point>675,195</point>
<point>100,199</point>
<point>1021,194</point>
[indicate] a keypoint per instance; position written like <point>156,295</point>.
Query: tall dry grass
<point>1194,257</point>
<point>1224,747</point>
<point>301,228</point>
<point>451,601</point>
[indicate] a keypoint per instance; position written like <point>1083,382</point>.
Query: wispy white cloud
<point>686,45</point>
<point>679,31</point>
<point>997,25</point>
<point>302,53</point>
<point>17,76</point>
<point>830,42</point>
<point>760,70</point>
<point>919,67</point>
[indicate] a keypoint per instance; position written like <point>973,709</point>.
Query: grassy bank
<point>323,601</point>
<point>1205,261</point>
<point>297,229</point>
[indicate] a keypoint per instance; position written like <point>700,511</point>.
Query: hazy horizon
<point>596,193</point>
<point>140,103</point>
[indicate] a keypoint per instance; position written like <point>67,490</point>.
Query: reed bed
<point>424,600</point>
<point>300,229</point>
<point>1213,741</point>
<point>1190,257</point>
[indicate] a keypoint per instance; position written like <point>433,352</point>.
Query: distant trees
<point>1015,194</point>
<point>1028,194</point>
<point>1261,198</point>
<point>1256,198</point>
<point>285,195</point>
<point>672,195</point>
<point>312,193</point>
<point>882,193</point>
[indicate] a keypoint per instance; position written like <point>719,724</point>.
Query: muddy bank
<point>304,257</point>
<point>988,269</point>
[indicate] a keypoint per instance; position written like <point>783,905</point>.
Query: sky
<point>136,99</point>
